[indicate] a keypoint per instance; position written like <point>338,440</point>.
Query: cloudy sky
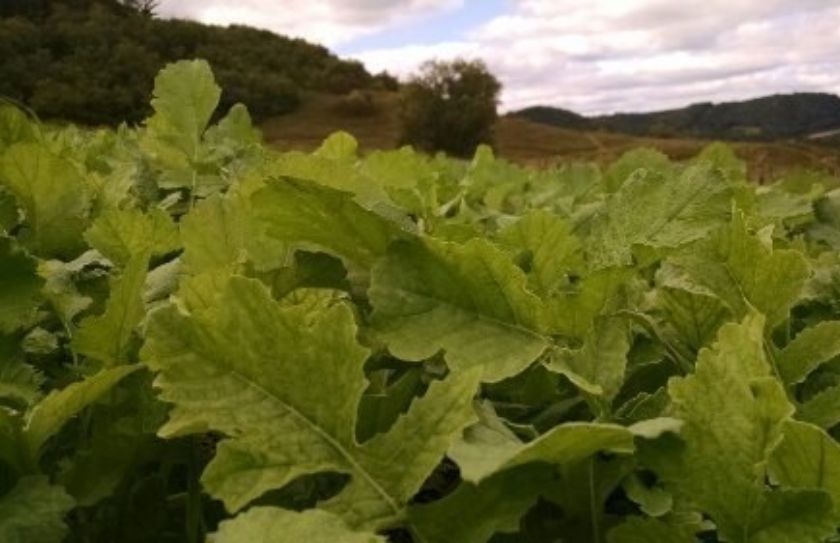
<point>595,56</point>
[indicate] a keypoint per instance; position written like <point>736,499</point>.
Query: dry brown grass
<point>527,142</point>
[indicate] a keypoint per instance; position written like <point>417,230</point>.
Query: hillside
<point>525,141</point>
<point>789,116</point>
<point>94,61</point>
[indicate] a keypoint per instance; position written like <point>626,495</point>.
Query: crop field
<point>204,338</point>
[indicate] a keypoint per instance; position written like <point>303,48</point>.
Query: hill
<point>94,61</point>
<point>784,116</point>
<point>525,141</point>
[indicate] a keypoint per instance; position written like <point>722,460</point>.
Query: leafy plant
<point>203,339</point>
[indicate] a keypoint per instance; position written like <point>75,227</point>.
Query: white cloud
<point>622,55</point>
<point>594,56</point>
<point>329,22</point>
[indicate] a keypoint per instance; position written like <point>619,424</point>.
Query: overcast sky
<point>592,56</point>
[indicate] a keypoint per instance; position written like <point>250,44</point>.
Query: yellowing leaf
<point>284,381</point>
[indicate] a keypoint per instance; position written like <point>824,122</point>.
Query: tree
<point>145,7</point>
<point>450,107</point>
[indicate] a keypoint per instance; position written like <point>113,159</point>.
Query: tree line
<point>94,61</point>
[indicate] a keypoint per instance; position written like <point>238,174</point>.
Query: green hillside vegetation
<point>94,61</point>
<point>206,340</point>
<point>767,118</point>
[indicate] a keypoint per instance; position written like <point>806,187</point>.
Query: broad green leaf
<point>53,196</point>
<point>651,530</point>
<point>15,126</point>
<point>108,337</point>
<point>652,500</point>
<point>661,212</point>
<point>236,129</point>
<point>214,235</point>
<point>572,311</point>
<point>646,159</point>
<point>481,453</point>
<point>20,286</point>
<point>275,525</point>
<point>822,409</point>
<point>61,290</point>
<point>120,233</point>
<point>734,413</point>
<point>339,145</point>
<point>20,383</point>
<point>787,516</point>
<point>284,381</point>
<point>468,300</point>
<point>473,513</point>
<point>308,216</point>
<point>744,270</point>
<point>546,248</point>
<point>723,157</point>
<point>33,512</point>
<point>691,316</point>
<point>812,347</point>
<point>381,407</point>
<point>185,97</point>
<point>807,458</point>
<point>59,406</point>
<point>598,366</point>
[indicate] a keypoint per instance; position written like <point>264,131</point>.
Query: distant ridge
<point>780,116</point>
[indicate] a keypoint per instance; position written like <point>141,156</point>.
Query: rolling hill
<point>770,118</point>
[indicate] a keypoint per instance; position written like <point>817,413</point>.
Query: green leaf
<point>108,337</point>
<point>652,500</point>
<point>338,145</point>
<point>808,350</point>
<point>548,249</point>
<point>734,414</point>
<point>572,311</point>
<point>822,409</point>
<point>15,127</point>
<point>651,530</point>
<point>274,525</point>
<point>468,300</point>
<point>309,216</point>
<point>20,383</point>
<point>793,516</point>
<point>33,512</point>
<point>807,458</point>
<point>473,513</point>
<point>382,406</point>
<point>60,288</point>
<point>53,195</point>
<point>59,406</point>
<point>185,97</point>
<point>744,270</point>
<point>598,366</point>
<point>481,452</point>
<point>691,316</point>
<point>723,157</point>
<point>214,235</point>
<point>677,210</point>
<point>20,287</point>
<point>284,382</point>
<point>646,159</point>
<point>120,233</point>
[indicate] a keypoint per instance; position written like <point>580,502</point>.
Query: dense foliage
<point>202,338</point>
<point>94,61</point>
<point>450,107</point>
